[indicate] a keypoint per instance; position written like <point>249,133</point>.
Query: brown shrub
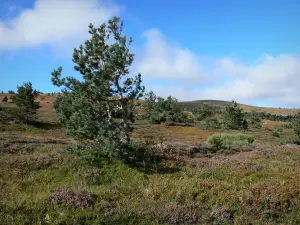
<point>71,198</point>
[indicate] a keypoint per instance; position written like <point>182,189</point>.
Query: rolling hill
<point>222,104</point>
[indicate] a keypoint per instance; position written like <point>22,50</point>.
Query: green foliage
<point>253,119</point>
<point>295,124</point>
<point>100,106</point>
<point>5,99</point>
<point>233,117</point>
<point>204,111</point>
<point>158,109</point>
<point>287,126</point>
<point>230,141</point>
<point>24,99</point>
<point>210,123</point>
<point>11,92</point>
<point>276,134</point>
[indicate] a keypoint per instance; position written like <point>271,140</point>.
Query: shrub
<point>71,198</point>
<point>295,124</point>
<point>286,126</point>
<point>230,141</point>
<point>5,99</point>
<point>159,110</point>
<point>277,133</point>
<point>204,111</point>
<point>210,123</point>
<point>253,119</point>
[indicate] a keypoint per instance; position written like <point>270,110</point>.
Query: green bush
<point>286,126</point>
<point>158,109</point>
<point>277,133</point>
<point>230,141</point>
<point>210,123</point>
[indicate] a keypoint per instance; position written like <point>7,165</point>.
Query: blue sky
<point>205,49</point>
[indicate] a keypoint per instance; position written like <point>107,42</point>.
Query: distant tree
<point>11,92</point>
<point>2,92</point>
<point>88,107</point>
<point>24,99</point>
<point>233,117</point>
<point>5,99</point>
<point>254,119</point>
<point>204,111</point>
<point>159,110</point>
<point>295,124</point>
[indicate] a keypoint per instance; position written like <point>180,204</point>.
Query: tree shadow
<point>146,159</point>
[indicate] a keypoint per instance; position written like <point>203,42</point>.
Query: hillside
<point>222,104</point>
<point>46,101</point>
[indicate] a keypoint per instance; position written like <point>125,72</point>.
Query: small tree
<point>101,106</point>
<point>159,110</point>
<point>233,117</point>
<point>295,124</point>
<point>11,92</point>
<point>253,119</point>
<point>5,99</point>
<point>24,99</point>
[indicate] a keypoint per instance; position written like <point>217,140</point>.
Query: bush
<point>277,133</point>
<point>287,126</point>
<point>71,198</point>
<point>204,111</point>
<point>295,124</point>
<point>253,119</point>
<point>230,141</point>
<point>210,123</point>
<point>159,110</point>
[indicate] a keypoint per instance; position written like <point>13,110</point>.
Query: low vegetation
<point>230,141</point>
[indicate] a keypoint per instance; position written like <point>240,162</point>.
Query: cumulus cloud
<point>161,61</point>
<point>53,22</point>
<point>270,80</point>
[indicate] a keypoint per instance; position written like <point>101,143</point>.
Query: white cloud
<point>159,60</point>
<point>54,22</point>
<point>271,80</point>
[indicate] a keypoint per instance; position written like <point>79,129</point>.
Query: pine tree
<point>24,99</point>
<point>88,107</point>
<point>233,117</point>
<point>295,124</point>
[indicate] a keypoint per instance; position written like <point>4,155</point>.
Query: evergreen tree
<point>159,110</point>
<point>204,111</point>
<point>100,106</point>
<point>295,124</point>
<point>233,117</point>
<point>24,99</point>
